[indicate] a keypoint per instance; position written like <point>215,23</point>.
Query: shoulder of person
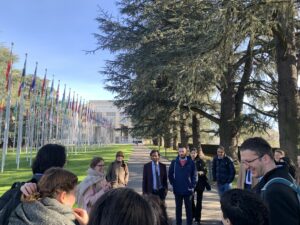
<point>228,159</point>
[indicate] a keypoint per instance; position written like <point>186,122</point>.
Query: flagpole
<point>7,114</point>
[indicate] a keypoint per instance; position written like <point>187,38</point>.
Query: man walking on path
<point>182,176</point>
<point>223,171</point>
<point>155,176</point>
<point>282,201</point>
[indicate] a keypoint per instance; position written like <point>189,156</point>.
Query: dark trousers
<point>160,193</point>
<point>188,208</point>
<point>197,208</point>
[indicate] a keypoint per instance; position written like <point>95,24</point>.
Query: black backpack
<point>9,201</point>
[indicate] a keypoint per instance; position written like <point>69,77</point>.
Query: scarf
<point>92,178</point>
<point>45,211</point>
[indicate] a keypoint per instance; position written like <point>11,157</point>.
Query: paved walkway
<point>211,214</point>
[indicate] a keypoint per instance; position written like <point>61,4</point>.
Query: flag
<point>9,62</point>
<point>22,84</point>
<point>2,105</point>
<point>63,97</point>
<point>57,93</point>
<point>44,83</point>
<point>32,86</point>
<point>51,89</point>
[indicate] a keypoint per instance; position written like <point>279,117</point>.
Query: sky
<point>56,34</point>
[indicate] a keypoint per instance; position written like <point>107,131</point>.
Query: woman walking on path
<point>118,173</point>
<point>93,186</point>
<point>202,182</point>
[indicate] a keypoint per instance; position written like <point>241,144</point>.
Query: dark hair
<point>258,145</point>
<point>290,165</point>
<point>50,155</point>
<point>159,209</point>
<point>154,151</point>
<point>56,179</point>
<point>221,147</point>
<point>243,207</point>
<point>95,161</point>
<point>121,206</point>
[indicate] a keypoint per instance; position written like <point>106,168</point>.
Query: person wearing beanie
<point>118,173</point>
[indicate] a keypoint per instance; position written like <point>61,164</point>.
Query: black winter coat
<point>281,200</point>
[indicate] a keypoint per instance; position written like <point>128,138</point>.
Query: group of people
<point>49,197</point>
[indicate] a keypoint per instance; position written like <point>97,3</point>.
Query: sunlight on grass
<point>76,162</point>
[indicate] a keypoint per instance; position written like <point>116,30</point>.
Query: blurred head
<point>242,207</point>
<point>221,152</point>
<point>193,153</point>
<point>50,155</point>
<point>257,155</point>
<point>119,156</point>
<point>97,163</point>
<point>278,154</point>
<point>182,152</point>
<point>121,206</point>
<point>60,184</point>
<point>154,154</point>
<point>159,209</point>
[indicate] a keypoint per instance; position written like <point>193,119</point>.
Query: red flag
<point>8,68</point>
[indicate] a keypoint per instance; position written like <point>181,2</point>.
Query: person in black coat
<point>202,183</point>
<point>281,200</point>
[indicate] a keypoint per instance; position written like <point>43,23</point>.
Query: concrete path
<point>211,214</point>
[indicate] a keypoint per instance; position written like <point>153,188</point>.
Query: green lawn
<point>76,162</point>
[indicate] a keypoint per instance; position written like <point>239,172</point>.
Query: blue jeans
<point>223,187</point>
<point>188,208</point>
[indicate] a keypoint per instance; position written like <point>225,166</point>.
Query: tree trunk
<point>228,128</point>
<point>196,130</point>
<point>184,136</point>
<point>175,136</point>
<point>288,94</point>
<point>167,138</point>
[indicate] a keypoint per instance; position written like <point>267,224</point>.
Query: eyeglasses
<point>100,165</point>
<point>247,162</point>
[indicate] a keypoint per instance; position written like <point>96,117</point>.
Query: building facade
<point>120,123</point>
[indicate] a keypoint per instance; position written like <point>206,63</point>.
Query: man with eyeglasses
<point>223,170</point>
<point>282,201</point>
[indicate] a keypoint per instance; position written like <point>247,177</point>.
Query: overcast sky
<point>55,33</point>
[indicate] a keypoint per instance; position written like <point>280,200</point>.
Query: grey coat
<point>47,211</point>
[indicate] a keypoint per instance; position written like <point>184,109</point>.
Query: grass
<point>78,163</point>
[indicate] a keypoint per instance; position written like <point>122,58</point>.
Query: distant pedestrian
<point>117,173</point>
<point>223,170</point>
<point>241,207</point>
<point>202,182</point>
<point>282,201</point>
<point>155,178</point>
<point>182,176</point>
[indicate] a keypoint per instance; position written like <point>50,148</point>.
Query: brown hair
<point>56,179</point>
<point>95,161</point>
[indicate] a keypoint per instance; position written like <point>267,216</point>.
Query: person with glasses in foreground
<point>93,186</point>
<point>282,201</point>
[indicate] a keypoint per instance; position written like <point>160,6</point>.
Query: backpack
<point>9,201</point>
<point>279,180</point>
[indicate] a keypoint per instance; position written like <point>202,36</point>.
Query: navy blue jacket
<point>182,178</point>
<point>223,170</point>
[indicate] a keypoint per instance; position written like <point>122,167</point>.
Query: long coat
<point>148,178</point>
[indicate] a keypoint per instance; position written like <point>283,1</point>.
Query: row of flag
<point>47,118</point>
